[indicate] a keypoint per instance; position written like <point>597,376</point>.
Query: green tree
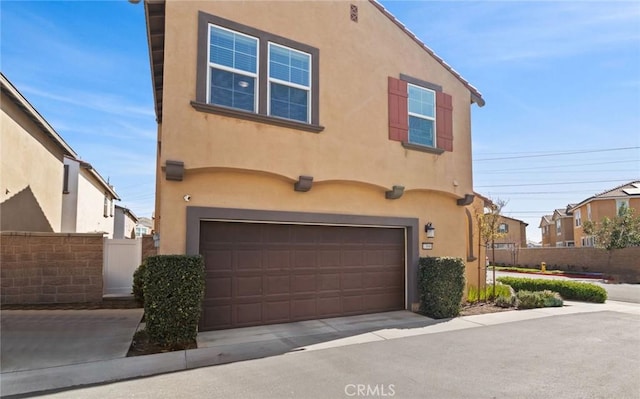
<point>488,226</point>
<point>620,232</point>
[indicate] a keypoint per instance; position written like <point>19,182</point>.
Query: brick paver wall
<point>50,267</point>
<point>148,247</point>
<point>624,265</point>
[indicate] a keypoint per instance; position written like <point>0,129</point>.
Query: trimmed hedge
<point>138,283</point>
<point>571,290</point>
<point>441,282</point>
<point>173,292</point>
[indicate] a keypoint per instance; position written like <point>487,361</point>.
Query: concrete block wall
<point>621,265</point>
<point>50,267</point>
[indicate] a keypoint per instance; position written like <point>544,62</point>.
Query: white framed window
<point>422,115</point>
<point>620,203</point>
<point>589,212</point>
<point>289,83</point>
<point>233,69</point>
<point>578,218</point>
<point>558,226</point>
<point>503,228</point>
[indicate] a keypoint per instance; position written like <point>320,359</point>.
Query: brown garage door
<point>274,273</point>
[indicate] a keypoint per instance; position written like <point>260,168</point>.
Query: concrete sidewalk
<point>250,343</point>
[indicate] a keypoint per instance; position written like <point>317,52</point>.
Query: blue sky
<point>558,77</point>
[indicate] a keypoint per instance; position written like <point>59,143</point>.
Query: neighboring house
<point>548,229</point>
<point>311,167</point>
<point>515,232</point>
<point>124,223</point>
<point>563,220</point>
<point>144,227</point>
<point>605,204</point>
<point>45,186</point>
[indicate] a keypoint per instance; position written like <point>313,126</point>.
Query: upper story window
<point>558,226</point>
<point>233,69</point>
<point>589,212</point>
<point>250,74</point>
<point>289,83</point>
<point>503,228</point>
<point>422,116</point>
<point>577,215</point>
<point>621,203</point>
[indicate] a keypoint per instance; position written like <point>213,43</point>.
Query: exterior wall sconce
<point>430,230</point>
<point>467,200</point>
<point>303,184</point>
<point>395,193</point>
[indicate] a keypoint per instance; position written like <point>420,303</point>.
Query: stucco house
<point>515,233</point>
<point>548,230</point>
<point>124,223</point>
<point>311,152</point>
<point>563,220</point>
<point>46,187</point>
<point>605,204</point>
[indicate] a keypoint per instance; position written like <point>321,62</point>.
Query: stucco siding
<point>30,164</point>
<point>90,207</point>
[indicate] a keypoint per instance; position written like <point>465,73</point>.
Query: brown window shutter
<point>398,110</point>
<point>444,121</point>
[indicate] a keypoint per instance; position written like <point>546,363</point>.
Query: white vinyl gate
<point>121,258</point>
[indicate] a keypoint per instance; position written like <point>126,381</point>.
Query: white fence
<point>121,258</point>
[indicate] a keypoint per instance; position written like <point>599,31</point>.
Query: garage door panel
<point>277,284</point>
<point>218,287</point>
<point>247,286</point>
<point>350,281</point>
<point>248,313</point>
<point>277,259</point>
<point>302,308</point>
<point>298,272</point>
<point>304,284</point>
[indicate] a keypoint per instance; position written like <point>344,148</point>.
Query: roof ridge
<point>615,188</point>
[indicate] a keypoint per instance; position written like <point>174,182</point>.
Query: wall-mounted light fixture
<point>395,193</point>
<point>430,230</point>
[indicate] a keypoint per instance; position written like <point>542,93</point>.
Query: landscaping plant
<point>571,290</point>
<point>538,299</point>
<point>173,292</point>
<point>441,282</point>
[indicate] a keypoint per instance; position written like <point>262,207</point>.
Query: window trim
<point>578,217</point>
<point>201,104</point>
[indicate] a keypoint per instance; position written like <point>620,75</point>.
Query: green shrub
<point>441,283</point>
<point>138,283</point>
<point>173,292</point>
<point>538,299</point>
<point>571,290</point>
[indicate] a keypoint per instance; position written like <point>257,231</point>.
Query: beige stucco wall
<point>91,206</point>
<point>29,160</point>
<point>243,164</point>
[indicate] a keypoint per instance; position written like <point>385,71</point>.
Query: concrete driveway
<point>579,355</point>
<point>38,339</point>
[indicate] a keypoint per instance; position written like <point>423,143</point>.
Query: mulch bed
<point>141,346</point>
<point>470,309</point>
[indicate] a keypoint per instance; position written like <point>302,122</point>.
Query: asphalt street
<point>587,355</point>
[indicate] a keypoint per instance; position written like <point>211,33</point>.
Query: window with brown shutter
<point>399,129</point>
